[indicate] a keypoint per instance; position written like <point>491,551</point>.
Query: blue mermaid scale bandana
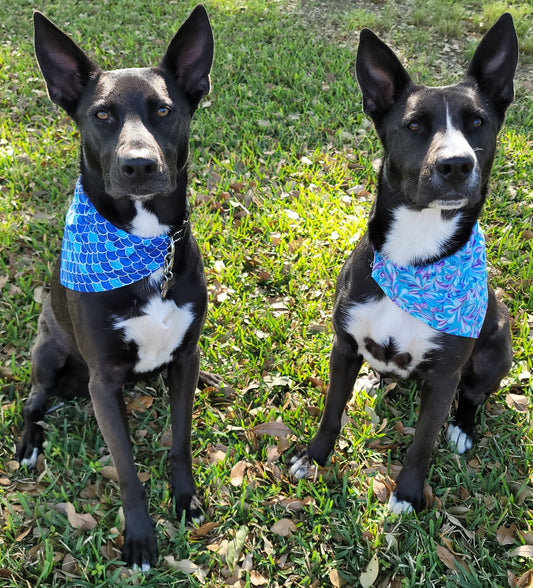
<point>96,256</point>
<point>450,295</point>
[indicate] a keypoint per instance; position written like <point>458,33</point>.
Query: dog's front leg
<point>182,380</point>
<point>436,399</point>
<point>344,365</point>
<point>140,546</point>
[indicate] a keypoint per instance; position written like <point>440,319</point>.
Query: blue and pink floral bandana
<point>450,295</point>
<point>97,256</point>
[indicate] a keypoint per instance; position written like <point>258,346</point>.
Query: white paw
<point>144,569</point>
<point>399,507</point>
<point>196,504</point>
<point>302,468</point>
<point>30,462</point>
<point>458,440</point>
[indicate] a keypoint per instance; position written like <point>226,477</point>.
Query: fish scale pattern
<point>450,295</point>
<point>96,256</point>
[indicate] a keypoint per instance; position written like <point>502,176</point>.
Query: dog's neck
<point>411,236</point>
<point>145,218</point>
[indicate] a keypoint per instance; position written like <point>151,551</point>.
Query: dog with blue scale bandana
<point>128,296</point>
<point>413,299</point>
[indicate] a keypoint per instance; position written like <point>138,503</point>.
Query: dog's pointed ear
<point>65,67</point>
<point>190,55</point>
<point>381,76</point>
<point>494,63</point>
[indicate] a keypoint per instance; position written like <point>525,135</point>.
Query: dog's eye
<point>102,114</point>
<point>414,125</point>
<point>477,122</point>
<point>163,111</point>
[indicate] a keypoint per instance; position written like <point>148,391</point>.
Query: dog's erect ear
<point>494,63</point>
<point>381,76</point>
<point>64,66</point>
<point>190,55</point>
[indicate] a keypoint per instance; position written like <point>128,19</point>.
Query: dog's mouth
<point>449,203</point>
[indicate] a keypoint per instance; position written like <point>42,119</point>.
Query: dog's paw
<point>399,507</point>
<point>30,461</point>
<point>140,546</point>
<point>191,505</point>
<point>460,441</point>
<point>207,380</point>
<point>302,467</point>
<point>196,515</point>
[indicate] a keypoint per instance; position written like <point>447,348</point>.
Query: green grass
<point>277,153</point>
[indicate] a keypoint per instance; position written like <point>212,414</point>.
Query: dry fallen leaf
<point>525,580</point>
<point>283,527</point>
<point>202,531</point>
<point>505,535</point>
<point>257,579</point>
<point>84,522</point>
<point>186,566</point>
<point>236,476</point>
<point>140,404</point>
<point>446,557</point>
<point>517,402</point>
<point>110,473</point>
<point>369,576</point>
<point>335,579</point>
<point>273,428</point>
<point>522,551</point>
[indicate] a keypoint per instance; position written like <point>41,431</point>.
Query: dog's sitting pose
<point>412,299</point>
<point>128,297</point>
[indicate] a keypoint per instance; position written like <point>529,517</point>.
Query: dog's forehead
<point>443,100</point>
<point>128,83</point>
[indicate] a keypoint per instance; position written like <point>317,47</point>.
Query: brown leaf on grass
<point>110,473</point>
<point>380,490</point>
<point>505,535</point>
<point>257,579</point>
<point>23,534</point>
<point>517,402</point>
<point>83,522</point>
<point>70,564</point>
<point>525,580</point>
<point>4,481</point>
<point>335,579</point>
<point>273,428</point>
<point>522,551</point>
<point>140,404</point>
<point>283,527</point>
<point>369,576</point>
<point>237,473</point>
<point>202,531</point>
<point>446,557</point>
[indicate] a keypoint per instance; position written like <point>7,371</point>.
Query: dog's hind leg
<point>344,365</point>
<point>49,356</point>
<point>182,378</point>
<point>489,363</point>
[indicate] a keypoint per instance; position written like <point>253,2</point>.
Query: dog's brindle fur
<point>134,127</point>
<point>439,145</point>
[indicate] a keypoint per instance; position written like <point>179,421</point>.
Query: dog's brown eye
<point>414,125</point>
<point>102,114</point>
<point>477,122</point>
<point>163,111</point>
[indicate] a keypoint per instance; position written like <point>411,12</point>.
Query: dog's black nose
<point>455,169</point>
<point>138,169</point>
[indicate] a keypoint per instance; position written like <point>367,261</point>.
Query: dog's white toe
<point>399,507</point>
<point>144,569</point>
<point>302,468</point>
<point>458,439</point>
<point>31,461</point>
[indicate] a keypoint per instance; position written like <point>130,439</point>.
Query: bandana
<point>97,256</point>
<point>450,295</point>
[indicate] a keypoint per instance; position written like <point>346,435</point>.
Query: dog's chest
<point>389,339</point>
<point>157,332</point>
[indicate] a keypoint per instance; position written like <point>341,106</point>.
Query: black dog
<point>412,298</point>
<point>128,297</point>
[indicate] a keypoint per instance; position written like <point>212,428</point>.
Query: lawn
<point>282,175</point>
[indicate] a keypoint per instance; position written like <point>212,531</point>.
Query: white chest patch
<point>416,235</point>
<point>146,223</point>
<point>158,332</point>
<point>389,339</point>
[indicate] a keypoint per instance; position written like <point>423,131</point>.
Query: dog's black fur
<point>439,145</point>
<point>134,127</point>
